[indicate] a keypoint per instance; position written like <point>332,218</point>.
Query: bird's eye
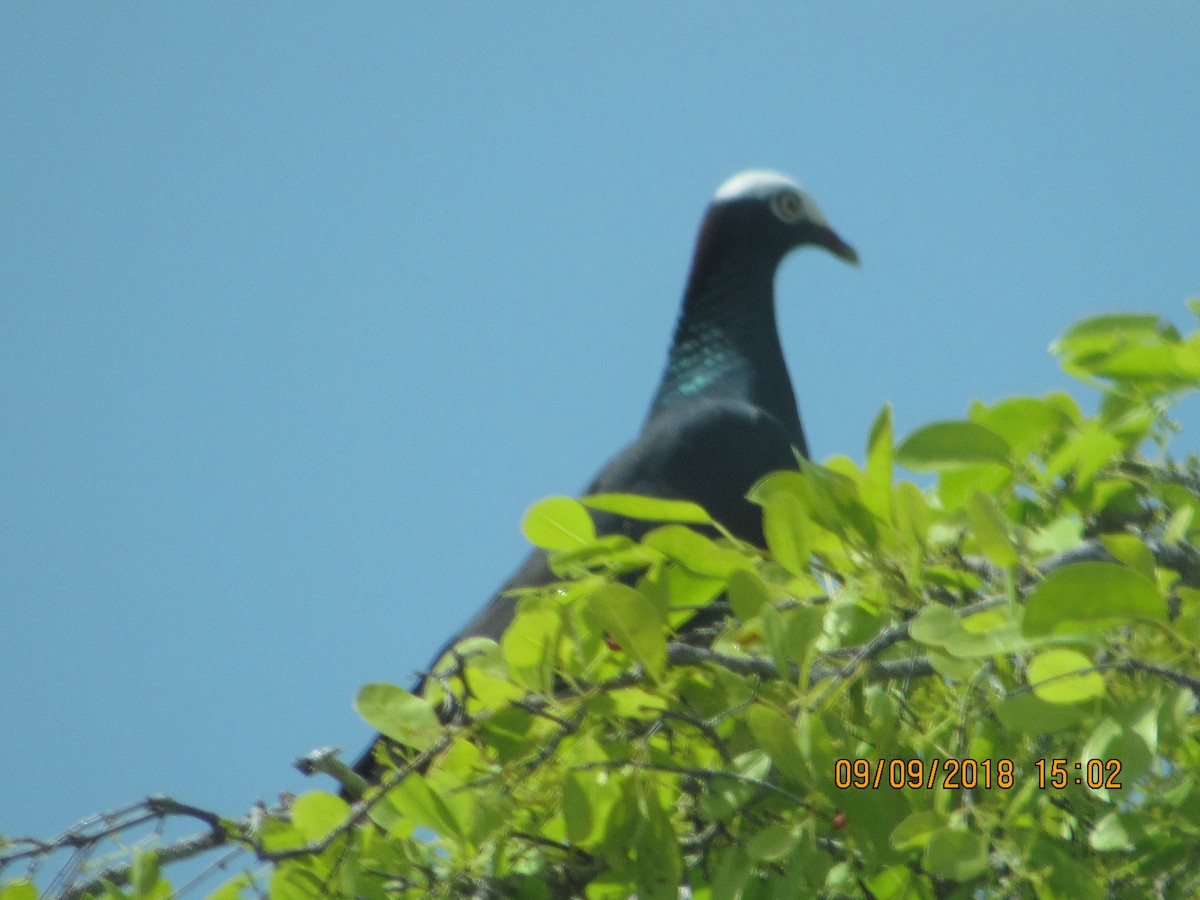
<point>788,206</point>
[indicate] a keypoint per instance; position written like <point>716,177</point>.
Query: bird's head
<point>766,213</point>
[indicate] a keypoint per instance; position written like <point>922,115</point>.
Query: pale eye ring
<point>788,206</point>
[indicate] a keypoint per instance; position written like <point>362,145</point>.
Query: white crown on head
<point>763,184</point>
<point>759,183</point>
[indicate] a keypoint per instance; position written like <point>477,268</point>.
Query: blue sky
<point>302,305</point>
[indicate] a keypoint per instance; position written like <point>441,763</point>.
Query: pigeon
<point>724,414</point>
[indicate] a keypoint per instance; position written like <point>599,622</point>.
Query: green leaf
<point>877,491</point>
<point>1178,525</point>
<point>316,813</point>
<point>991,530</point>
<point>478,652</point>
<point>578,808</point>
<point>611,552</point>
<point>916,830</point>
<point>994,632</point>
<point>956,487</point>
<point>694,550</point>
<point>775,735</point>
<point>1024,422</point>
<point>803,627</point>
<point>911,511</point>
<point>898,882</point>
<point>1162,365</point>
<point>1055,537</point>
<point>1142,720</point>
<point>659,864</point>
<point>990,633</point>
<point>529,644</point>
<point>276,834</point>
<point>558,523</point>
<point>733,873</point>
<point>935,625</point>
<point>653,509</point>
<point>725,796</point>
<point>634,624</point>
<point>144,875</point>
<point>399,715</point>
<point>637,703</point>
<point>833,493</point>
<point>1095,337</point>
<point>1029,714</point>
<point>1092,595</point>
<point>1137,349</point>
<point>748,593</point>
<point>415,800</point>
<point>826,497</point>
<point>1064,676</point>
<point>944,446</point>
<point>1085,453</point>
<point>1116,754</point>
<point>773,842</point>
<point>1110,835</point>
<point>18,890</point>
<point>957,855</point>
<point>294,882</point>
<point>677,592</point>
<point>230,890</point>
<point>775,634</point>
<point>1132,551</point>
<point>788,531</point>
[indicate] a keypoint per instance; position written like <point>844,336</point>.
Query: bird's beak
<point>829,239</point>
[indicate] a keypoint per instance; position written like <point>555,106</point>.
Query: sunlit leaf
<point>1096,336</point>
<point>1023,422</point>
<point>558,523</point>
<point>916,830</point>
<point>935,625</point>
<point>529,643</point>
<point>1064,676</point>
<point>991,530</point>
<point>145,872</point>
<point>788,530</point>
<point>1132,551</point>
<point>1092,595</point>
<point>316,813</point>
<point>957,486</point>
<point>1110,835</point>
<point>413,799</point>
<point>775,734</point>
<point>748,593</point>
<point>877,492</point>
<point>654,509</point>
<point>773,842</point>
<point>1113,758</point>
<point>945,446</point>
<point>1027,713</point>
<point>395,713</point>
<point>692,549</point>
<point>957,855</point>
<point>633,623</point>
<point>1179,525</point>
<point>726,796</point>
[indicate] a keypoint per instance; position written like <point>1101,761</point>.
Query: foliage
<point>984,688</point>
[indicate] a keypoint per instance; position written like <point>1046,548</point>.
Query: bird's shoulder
<point>716,437</point>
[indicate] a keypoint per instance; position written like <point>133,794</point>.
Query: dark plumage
<point>724,414</point>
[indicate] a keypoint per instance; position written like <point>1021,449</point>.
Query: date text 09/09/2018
<point>954,774</point>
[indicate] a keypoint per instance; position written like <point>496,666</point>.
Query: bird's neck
<point>726,346</point>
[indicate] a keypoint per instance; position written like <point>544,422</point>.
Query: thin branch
<point>1171,675</point>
